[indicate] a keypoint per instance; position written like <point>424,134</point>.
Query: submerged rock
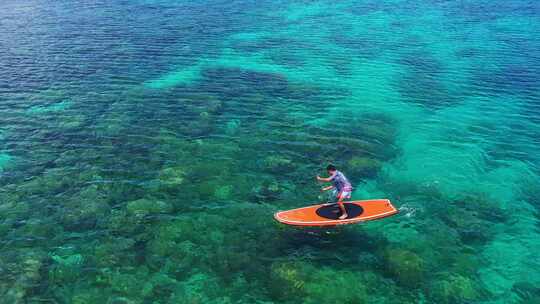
<point>48,108</point>
<point>122,222</point>
<point>52,181</point>
<point>405,266</point>
<point>71,121</point>
<point>278,164</point>
<point>287,280</point>
<point>125,283</point>
<point>26,275</point>
<point>470,227</point>
<point>378,127</point>
<point>363,166</point>
<point>204,115</point>
<point>84,209</point>
<point>483,207</point>
<point>345,287</point>
<point>224,192</point>
<point>527,291</point>
<point>143,207</point>
<point>69,261</point>
<point>159,283</point>
<point>31,268</point>
<point>232,127</point>
<point>208,190</point>
<point>4,160</point>
<point>214,106</point>
<point>120,300</point>
<point>114,251</point>
<point>454,289</point>
<point>267,191</point>
<point>172,177</point>
<point>173,240</point>
<point>198,288</point>
<point>65,269</point>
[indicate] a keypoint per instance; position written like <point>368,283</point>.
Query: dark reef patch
<point>282,51</point>
<point>518,79</point>
<point>486,11</point>
<point>421,82</point>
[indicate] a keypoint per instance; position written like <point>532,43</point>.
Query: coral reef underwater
<point>141,160</point>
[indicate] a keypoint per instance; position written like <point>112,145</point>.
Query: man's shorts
<point>344,194</point>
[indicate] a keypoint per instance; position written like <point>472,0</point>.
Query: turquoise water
<point>146,144</point>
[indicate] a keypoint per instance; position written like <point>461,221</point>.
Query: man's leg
<point>344,214</point>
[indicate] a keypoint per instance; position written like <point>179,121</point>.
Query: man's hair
<point>331,168</point>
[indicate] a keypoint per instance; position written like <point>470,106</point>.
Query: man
<point>341,186</point>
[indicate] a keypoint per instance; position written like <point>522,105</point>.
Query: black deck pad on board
<point>333,212</point>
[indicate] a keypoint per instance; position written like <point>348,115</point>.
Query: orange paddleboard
<point>327,214</point>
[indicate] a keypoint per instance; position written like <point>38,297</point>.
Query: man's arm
<point>324,179</point>
<point>327,188</point>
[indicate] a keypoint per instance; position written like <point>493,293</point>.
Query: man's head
<point>331,169</point>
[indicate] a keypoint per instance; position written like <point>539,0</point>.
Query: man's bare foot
<point>343,216</point>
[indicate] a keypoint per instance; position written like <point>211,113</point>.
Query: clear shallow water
<point>145,145</point>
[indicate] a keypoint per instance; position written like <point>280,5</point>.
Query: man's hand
<point>323,179</point>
